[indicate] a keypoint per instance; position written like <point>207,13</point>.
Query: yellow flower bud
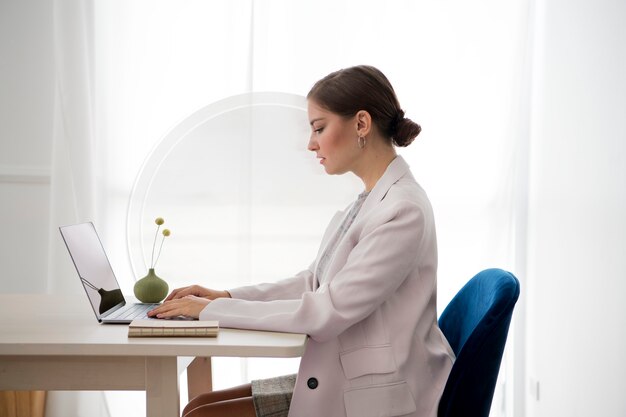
<point>159,221</point>
<point>166,232</point>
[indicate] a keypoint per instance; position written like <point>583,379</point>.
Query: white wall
<point>26,114</point>
<point>577,214</point>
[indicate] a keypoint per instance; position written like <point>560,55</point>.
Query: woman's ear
<point>363,123</point>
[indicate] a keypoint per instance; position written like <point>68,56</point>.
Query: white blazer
<point>375,348</point>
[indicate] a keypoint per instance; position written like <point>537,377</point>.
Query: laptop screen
<point>93,266</point>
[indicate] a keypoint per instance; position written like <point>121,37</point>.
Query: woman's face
<point>333,139</point>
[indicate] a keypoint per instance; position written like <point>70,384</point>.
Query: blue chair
<point>476,323</point>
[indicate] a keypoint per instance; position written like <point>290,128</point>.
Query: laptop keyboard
<point>134,311</point>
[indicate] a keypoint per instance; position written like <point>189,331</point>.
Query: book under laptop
<point>97,277</point>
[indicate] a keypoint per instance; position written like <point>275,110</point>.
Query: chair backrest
<point>476,323</point>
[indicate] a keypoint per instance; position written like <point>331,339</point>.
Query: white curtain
<point>73,152</point>
<point>72,192</point>
<point>140,67</point>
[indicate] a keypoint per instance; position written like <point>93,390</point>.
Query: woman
<point>368,301</point>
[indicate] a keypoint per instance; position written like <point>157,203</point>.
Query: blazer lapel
<point>396,170</point>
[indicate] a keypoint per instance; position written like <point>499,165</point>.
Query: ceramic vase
<point>151,288</point>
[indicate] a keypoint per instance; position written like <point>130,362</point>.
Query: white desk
<point>55,343</point>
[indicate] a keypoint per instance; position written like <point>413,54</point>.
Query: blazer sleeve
<point>377,265</point>
<point>286,289</point>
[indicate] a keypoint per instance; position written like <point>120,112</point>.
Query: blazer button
<point>312,383</point>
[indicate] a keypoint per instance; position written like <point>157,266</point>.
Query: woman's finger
<point>173,294</point>
<point>180,293</point>
<point>183,292</point>
<point>190,306</point>
<point>166,306</point>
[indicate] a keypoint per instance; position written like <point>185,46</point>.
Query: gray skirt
<point>272,396</point>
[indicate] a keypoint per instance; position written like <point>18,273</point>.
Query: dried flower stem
<point>153,246</point>
<point>160,247</point>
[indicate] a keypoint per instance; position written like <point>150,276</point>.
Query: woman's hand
<point>188,306</point>
<point>198,291</point>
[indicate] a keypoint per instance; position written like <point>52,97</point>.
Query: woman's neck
<point>374,163</point>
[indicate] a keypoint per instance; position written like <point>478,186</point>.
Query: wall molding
<point>24,174</point>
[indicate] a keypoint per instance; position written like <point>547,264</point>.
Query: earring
<point>361,142</point>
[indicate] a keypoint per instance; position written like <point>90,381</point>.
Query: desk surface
<point>38,324</point>
<point>55,343</point>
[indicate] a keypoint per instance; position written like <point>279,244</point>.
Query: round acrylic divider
<point>243,197</point>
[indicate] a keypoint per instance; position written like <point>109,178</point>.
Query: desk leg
<point>162,393</point>
<point>199,377</point>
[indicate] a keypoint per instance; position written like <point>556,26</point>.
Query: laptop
<point>97,277</point>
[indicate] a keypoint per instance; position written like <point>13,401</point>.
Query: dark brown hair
<point>349,90</point>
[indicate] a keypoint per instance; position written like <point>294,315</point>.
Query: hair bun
<point>404,130</point>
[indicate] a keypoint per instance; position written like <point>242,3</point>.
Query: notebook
<point>173,328</point>
<point>97,277</point>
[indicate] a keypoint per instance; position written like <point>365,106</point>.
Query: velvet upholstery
<point>476,324</point>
